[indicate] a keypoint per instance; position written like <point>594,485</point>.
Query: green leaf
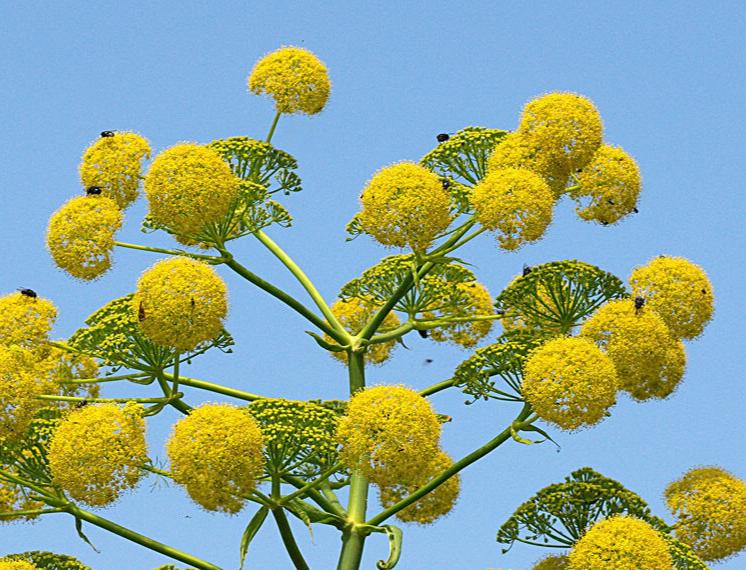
<point>395,537</point>
<point>81,534</point>
<point>310,514</point>
<point>250,532</point>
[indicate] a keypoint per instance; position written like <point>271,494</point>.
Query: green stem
<point>491,445</point>
<point>271,132</point>
<point>102,379</point>
<point>303,279</point>
<point>311,485</point>
<point>329,504</point>
<point>435,388</point>
<point>173,400</point>
<point>393,334</point>
<point>217,388</point>
<point>107,400</point>
<point>139,538</point>
<point>288,539</point>
<point>211,258</point>
<point>30,513</point>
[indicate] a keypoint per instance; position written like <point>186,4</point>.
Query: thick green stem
<point>140,539</point>
<point>435,388</point>
<point>106,400</point>
<point>288,539</point>
<point>491,445</point>
<point>217,388</point>
<point>271,132</point>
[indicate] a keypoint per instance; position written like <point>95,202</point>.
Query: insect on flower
<point>105,134</point>
<point>28,293</point>
<point>141,313</point>
<point>422,333</point>
<point>93,190</point>
<point>442,137</point>
<point>639,303</point>
<point>526,269</point>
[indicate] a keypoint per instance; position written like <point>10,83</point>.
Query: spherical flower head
<point>432,506</point>
<point>25,321</point>
<point>608,186</point>
<point>621,543</point>
<point>180,303</point>
<point>552,563</point>
<point>97,451</point>
<point>569,382</point>
<point>710,505</point>
<point>80,235</point>
<point>521,151</point>
<point>565,126</point>
<point>216,454</point>
<point>189,187</point>
<point>679,291</point>
<point>405,205</point>
<point>18,390</point>
<point>295,78</point>
<point>515,203</point>
<point>113,164</point>
<point>8,564</point>
<point>650,362</point>
<point>353,314</point>
<point>390,433</point>
<point>479,302</point>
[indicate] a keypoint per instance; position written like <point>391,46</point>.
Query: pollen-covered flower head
<point>515,203</point>
<point>25,320</point>
<point>650,362</point>
<point>679,291</point>
<point>353,314</point>
<point>9,564</point>
<point>566,127</point>
<point>608,186</point>
<point>80,235</point>
<point>405,205</point>
<point>295,78</point>
<point>552,563</point>
<point>189,187</point>
<point>18,390</point>
<point>569,382</point>
<point>710,505</point>
<point>621,543</point>
<point>390,433</point>
<point>113,164</point>
<point>216,455</point>
<point>478,302</point>
<point>97,451</point>
<point>180,302</point>
<point>432,506</point>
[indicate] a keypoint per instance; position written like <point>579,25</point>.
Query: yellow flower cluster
<point>12,499</point>
<point>621,543</point>
<point>466,334</point>
<point>80,235</point>
<point>679,291</point>
<point>710,505</point>
<point>650,362</point>
<point>295,78</point>
<point>405,205</point>
<point>25,321</point>
<point>189,187</point>
<point>113,164</point>
<point>514,202</point>
<point>353,314</point>
<point>18,390</point>
<point>180,303</point>
<point>552,563</point>
<point>569,382</point>
<point>432,506</point>
<point>96,452</point>
<point>8,564</point>
<point>390,433</point>
<point>608,186</point>
<point>216,454</point>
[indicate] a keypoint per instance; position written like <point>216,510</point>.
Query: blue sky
<point>668,78</point>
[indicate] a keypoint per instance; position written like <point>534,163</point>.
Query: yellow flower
<point>552,563</point>
<point>608,186</point>
<point>353,314</point>
<point>390,433</point>
<point>113,164</point>
<point>18,390</point>
<point>515,203</point>
<point>13,498</point>
<point>679,291</point>
<point>189,187</point>
<point>466,334</point>
<point>650,362</point>
<point>25,321</point>
<point>405,204</point>
<point>432,506</point>
<point>710,505</point>
<point>8,564</point>
<point>216,454</point>
<point>520,151</point>
<point>621,543</point>
<point>569,382</point>
<point>565,127</point>
<point>180,303</point>
<point>97,451</point>
<point>80,235</point>
<point>295,78</point>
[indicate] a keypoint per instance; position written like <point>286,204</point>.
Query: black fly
<point>423,334</point>
<point>93,190</point>
<point>639,303</point>
<point>28,293</point>
<point>442,137</point>
<point>526,269</point>
<point>106,134</point>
